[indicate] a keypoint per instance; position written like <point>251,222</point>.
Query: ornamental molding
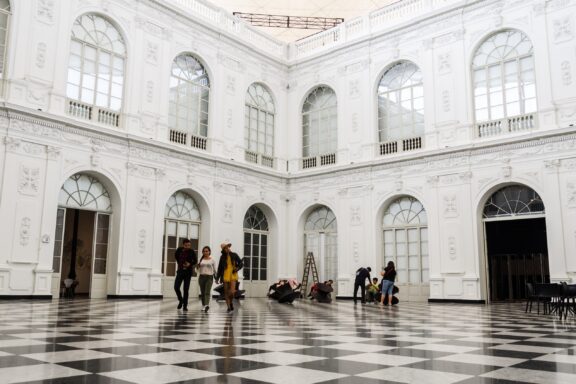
<point>29,180</point>
<point>144,199</point>
<point>25,231</point>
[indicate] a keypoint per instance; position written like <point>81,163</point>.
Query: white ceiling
<point>347,9</point>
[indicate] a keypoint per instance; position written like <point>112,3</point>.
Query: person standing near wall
<point>388,277</point>
<point>186,259</point>
<point>361,275</point>
<point>228,267</point>
<point>207,272</point>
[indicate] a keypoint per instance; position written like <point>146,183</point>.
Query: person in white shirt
<point>207,270</point>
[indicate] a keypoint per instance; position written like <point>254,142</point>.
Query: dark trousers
<point>205,283</point>
<point>183,275</point>
<point>362,290</point>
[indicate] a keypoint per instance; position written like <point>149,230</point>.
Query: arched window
<point>189,98</point>
<point>84,192</point>
<point>513,200</point>
<point>96,70</point>
<point>259,125</point>
<point>504,83</point>
<point>4,24</point>
<point>401,104</point>
<point>256,235</point>
<point>405,226</point>
<point>321,238</point>
<point>319,127</point>
<point>181,221</point>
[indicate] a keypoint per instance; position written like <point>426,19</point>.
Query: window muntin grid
<point>259,120</point>
<point>182,206</point>
<point>84,192</point>
<point>319,123</point>
<point>189,96</point>
<point>4,25</point>
<point>256,233</point>
<point>401,103</point>
<point>504,78</point>
<point>321,219</point>
<point>96,64</point>
<point>513,200</point>
<point>405,232</point>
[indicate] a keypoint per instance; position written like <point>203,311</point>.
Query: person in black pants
<point>361,275</point>
<point>186,259</point>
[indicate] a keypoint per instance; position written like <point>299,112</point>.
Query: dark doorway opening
<point>517,254</point>
<point>78,250</point>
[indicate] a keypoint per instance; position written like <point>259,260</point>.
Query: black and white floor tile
<point>150,341</point>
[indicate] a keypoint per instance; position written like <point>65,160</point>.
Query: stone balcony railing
<point>320,160</point>
<point>402,145</point>
<point>258,158</point>
<point>188,139</point>
<point>518,123</point>
<point>93,113</point>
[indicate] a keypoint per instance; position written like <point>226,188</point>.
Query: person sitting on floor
<point>372,290</point>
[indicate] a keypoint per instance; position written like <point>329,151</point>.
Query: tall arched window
<point>405,226</point>
<point>189,98</point>
<point>181,221</point>
<point>320,128</point>
<point>321,238</point>
<point>504,83</point>
<point>256,234</point>
<point>259,125</point>
<point>4,24</point>
<point>96,70</point>
<point>401,108</point>
<point>513,200</point>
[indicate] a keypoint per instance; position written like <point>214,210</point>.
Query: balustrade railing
<point>258,158</point>
<point>510,124</point>
<point>185,138</point>
<point>93,113</point>
<point>321,160</point>
<point>403,145</point>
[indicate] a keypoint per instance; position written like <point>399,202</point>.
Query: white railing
<point>511,124</point>
<point>321,160</point>
<point>93,113</point>
<point>381,19</point>
<point>229,23</point>
<point>258,158</point>
<point>181,137</point>
<point>403,145</point>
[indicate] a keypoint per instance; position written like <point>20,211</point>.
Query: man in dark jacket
<point>186,259</point>
<point>228,267</point>
<point>361,275</point>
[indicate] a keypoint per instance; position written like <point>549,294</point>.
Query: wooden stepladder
<point>309,264</point>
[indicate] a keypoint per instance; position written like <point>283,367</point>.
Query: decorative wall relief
<point>29,180</point>
<point>452,247</point>
<point>45,11</point>
<point>25,231</point>
<point>356,251</point>
<point>444,63</point>
<point>355,218</point>
<point>53,153</point>
<point>450,206</point>
<point>152,52</point>
<point>354,88</point>
<point>142,241</point>
<point>571,194</point>
<point>41,55</point>
<point>229,118</point>
<point>563,29</point>
<point>231,85</point>
<point>446,103</point>
<point>228,207</point>
<point>95,160</point>
<point>355,122</point>
<point>150,91</point>
<point>566,71</point>
<point>506,172</point>
<point>398,185</point>
<point>144,199</point>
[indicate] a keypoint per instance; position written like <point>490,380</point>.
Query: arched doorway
<point>405,234</point>
<point>256,246</point>
<point>321,238</point>
<point>181,221</point>
<point>81,241</point>
<point>516,243</point>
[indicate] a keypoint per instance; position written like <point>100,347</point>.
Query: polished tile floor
<point>141,341</point>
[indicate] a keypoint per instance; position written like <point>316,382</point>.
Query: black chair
<point>530,297</point>
<point>551,297</point>
<point>568,300</point>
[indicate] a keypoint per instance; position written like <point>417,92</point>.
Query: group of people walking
<point>387,285</point>
<point>226,273</point>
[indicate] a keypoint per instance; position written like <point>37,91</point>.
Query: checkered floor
<point>140,341</point>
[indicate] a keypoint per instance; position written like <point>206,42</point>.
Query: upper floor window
<point>96,70</point>
<point>4,24</point>
<point>259,125</point>
<point>504,83</point>
<point>320,128</point>
<point>400,108</point>
<point>189,98</point>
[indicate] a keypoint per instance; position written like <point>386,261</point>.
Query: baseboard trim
<point>135,297</point>
<point>25,297</point>
<point>457,301</point>
<point>344,298</point>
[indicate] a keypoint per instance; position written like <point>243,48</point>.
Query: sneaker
<point>180,305</point>
<point>206,308</point>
